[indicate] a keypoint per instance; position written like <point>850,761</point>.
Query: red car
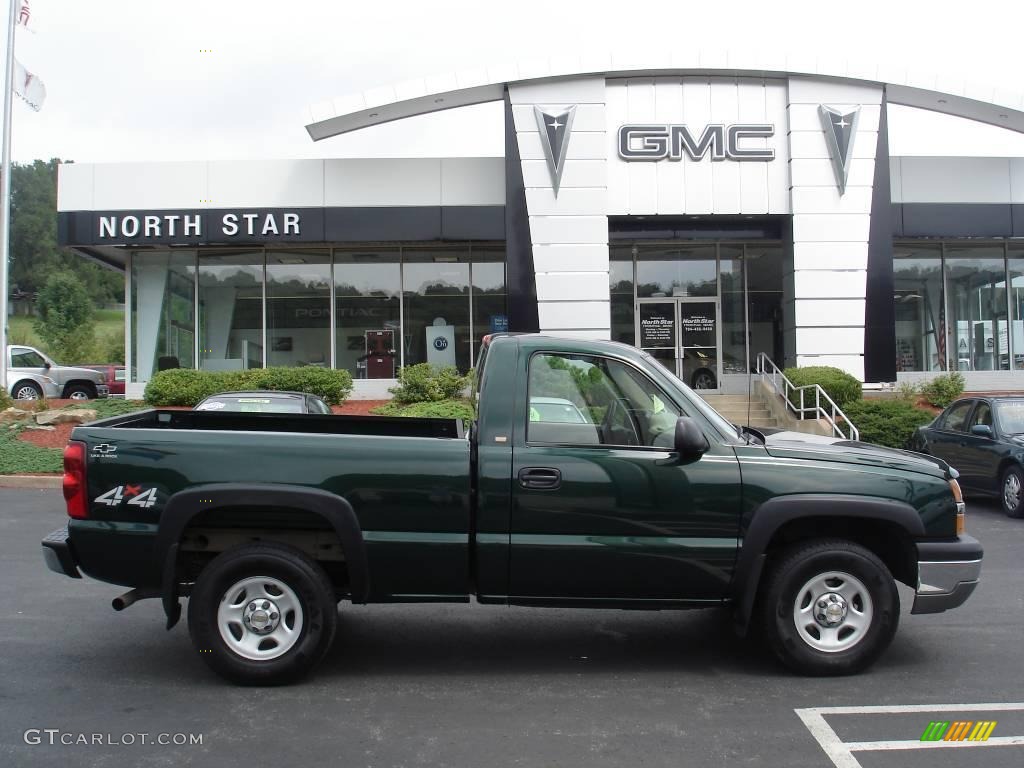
<point>114,375</point>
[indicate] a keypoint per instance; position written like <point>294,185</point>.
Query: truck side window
<point>585,400</point>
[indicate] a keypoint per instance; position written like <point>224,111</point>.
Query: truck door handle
<point>540,478</point>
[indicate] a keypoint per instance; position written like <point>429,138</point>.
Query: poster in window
<point>698,321</point>
<point>657,325</point>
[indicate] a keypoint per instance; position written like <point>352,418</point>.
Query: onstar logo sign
<point>717,140</point>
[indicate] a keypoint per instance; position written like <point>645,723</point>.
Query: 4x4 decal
<point>135,494</point>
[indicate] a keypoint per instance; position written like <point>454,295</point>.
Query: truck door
<point>602,507</point>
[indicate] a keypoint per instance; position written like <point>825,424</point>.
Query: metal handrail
<point>824,406</point>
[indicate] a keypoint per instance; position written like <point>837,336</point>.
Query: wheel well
<point>213,531</point>
<point>26,381</point>
<point>889,541</point>
<point>1003,465</point>
<point>79,383</point>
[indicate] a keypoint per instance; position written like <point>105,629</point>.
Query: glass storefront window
<point>435,290</point>
<point>675,271</point>
<point>1015,265</point>
<point>734,321</point>
<point>230,311</point>
<point>299,308</point>
<point>490,314</point>
<point>976,281</point>
<point>764,302</point>
<point>920,314</point>
<point>367,314</point>
<point>163,311</point>
<point>620,283</point>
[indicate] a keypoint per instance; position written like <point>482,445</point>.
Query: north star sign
<point>162,226</point>
<point>717,140</point>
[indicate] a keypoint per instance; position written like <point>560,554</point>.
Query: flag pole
<point>5,195</point>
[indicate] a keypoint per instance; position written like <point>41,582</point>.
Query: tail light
<point>75,490</point>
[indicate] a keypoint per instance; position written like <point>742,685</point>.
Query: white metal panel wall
<point>283,183</point>
<point>830,231</point>
<point>678,187</point>
<point>569,232</point>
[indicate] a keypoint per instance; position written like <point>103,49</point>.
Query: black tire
<point>796,568</point>
<point>80,392</point>
<point>703,378</point>
<point>283,564</point>
<point>1012,474</point>
<point>21,390</point>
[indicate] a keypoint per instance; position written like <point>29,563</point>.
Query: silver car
<point>27,365</point>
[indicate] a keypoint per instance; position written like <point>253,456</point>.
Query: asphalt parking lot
<point>472,685</point>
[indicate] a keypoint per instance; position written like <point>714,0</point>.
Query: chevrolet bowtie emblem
<point>554,137</point>
<point>839,126</point>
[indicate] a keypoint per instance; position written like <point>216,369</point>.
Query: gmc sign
<point>721,142</point>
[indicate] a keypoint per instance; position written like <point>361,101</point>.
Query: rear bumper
<point>58,554</point>
<point>947,574</point>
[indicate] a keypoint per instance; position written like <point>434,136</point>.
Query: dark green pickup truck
<point>591,478</point>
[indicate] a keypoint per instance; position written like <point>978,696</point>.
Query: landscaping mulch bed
<point>45,438</point>
<point>357,407</point>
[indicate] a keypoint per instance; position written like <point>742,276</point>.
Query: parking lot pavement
<point>481,685</point>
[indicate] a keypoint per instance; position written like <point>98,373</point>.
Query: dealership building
<point>718,216</point>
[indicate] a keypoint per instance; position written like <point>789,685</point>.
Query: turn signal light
<point>75,490</point>
<point>958,497</point>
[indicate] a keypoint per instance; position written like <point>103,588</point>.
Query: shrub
<point>886,422</point>
<point>334,386</point>
<point>837,383</point>
<point>908,390</point>
<point>65,321</point>
<point>426,383</point>
<point>944,389</point>
<point>441,409</point>
<point>437,409</point>
<point>187,387</point>
<point>6,401</point>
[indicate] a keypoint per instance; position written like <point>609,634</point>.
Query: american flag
<point>24,13</point>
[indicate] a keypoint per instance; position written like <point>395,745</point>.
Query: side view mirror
<point>690,442</point>
<point>46,365</point>
<point>982,430</point>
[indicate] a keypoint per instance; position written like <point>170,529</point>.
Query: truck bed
<point>381,426</point>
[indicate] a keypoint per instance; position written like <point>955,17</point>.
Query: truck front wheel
<point>262,614</point>
<point>829,608</point>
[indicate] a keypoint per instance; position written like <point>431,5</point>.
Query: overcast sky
<point>132,79</point>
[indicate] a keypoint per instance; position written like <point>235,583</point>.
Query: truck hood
<point>73,372</point>
<point>798,445</point>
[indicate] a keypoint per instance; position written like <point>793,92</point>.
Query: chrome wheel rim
<point>78,396</point>
<point>260,618</point>
<point>26,393</point>
<point>832,612</point>
<point>1011,491</point>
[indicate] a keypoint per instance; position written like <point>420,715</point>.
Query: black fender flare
<point>769,517</point>
<point>185,505</point>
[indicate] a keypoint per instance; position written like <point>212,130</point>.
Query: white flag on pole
<point>29,87</point>
<point>24,14</point>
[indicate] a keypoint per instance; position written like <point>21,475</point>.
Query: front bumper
<point>947,574</point>
<point>58,554</point>
<point>102,390</point>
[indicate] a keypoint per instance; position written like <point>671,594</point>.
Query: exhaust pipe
<point>128,598</point>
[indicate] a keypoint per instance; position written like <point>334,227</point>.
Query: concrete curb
<point>31,481</point>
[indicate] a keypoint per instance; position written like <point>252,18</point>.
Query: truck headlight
<point>958,497</point>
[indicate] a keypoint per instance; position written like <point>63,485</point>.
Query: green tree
<point>35,254</point>
<point>65,318</point>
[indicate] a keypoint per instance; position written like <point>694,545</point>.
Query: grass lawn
<point>108,321</point>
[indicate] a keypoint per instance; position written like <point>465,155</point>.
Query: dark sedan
<point>983,438</point>
<point>265,401</point>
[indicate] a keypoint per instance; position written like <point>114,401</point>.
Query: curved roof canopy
<point>948,95</point>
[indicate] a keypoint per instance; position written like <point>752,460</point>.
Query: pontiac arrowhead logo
<point>839,129</point>
<point>554,136</point>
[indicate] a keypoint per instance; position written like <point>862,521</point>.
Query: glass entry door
<point>682,334</point>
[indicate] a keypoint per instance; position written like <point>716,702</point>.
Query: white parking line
<point>841,753</point>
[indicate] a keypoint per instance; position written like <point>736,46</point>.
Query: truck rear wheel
<point>829,608</point>
<point>262,614</point>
